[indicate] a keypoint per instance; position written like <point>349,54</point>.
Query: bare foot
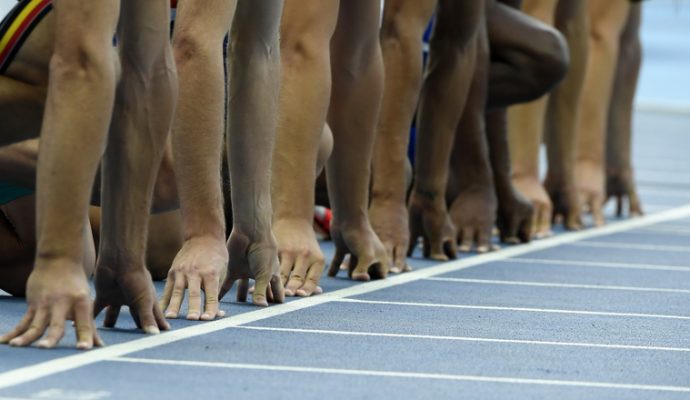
<point>566,205</point>
<point>429,219</point>
<point>368,258</point>
<point>473,212</point>
<point>389,219</point>
<point>533,190</point>
<point>589,177</point>
<point>301,259</point>
<point>620,184</point>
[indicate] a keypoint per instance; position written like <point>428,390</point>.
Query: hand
<point>619,185</point>
<point>589,177</point>
<point>368,258</point>
<point>514,217</point>
<point>301,259</point>
<point>532,189</point>
<point>254,259</point>
<point>389,219</point>
<point>429,218</point>
<point>473,212</point>
<point>119,283</point>
<point>200,264</point>
<point>56,291</point>
<point>566,205</point>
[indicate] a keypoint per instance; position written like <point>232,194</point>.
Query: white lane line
<point>597,264</point>
<point>407,375</point>
<point>517,309</point>
<point>658,105</point>
<point>558,285</point>
<point>47,368</point>
<point>468,339</point>
<point>632,246</point>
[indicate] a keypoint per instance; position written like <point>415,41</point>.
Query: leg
<point>445,89</point>
<point>403,25</point>
<point>254,82</point>
<point>142,117</point>
<point>74,131</point>
<point>197,135</point>
<point>306,30</point>
<point>562,115</point>
<point>357,71</point>
<point>620,180</point>
<point>607,21</point>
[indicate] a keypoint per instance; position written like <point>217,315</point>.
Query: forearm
<point>197,139</point>
<point>141,122</point>
<point>253,114</point>
<point>563,110</point>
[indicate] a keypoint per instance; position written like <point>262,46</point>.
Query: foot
<point>390,222</point>
<point>532,189</point>
<point>473,213</point>
<point>620,184</point>
<point>429,219</point>
<point>368,258</point>
<point>589,178</point>
<point>301,259</point>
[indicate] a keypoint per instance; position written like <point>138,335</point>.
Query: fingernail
<point>83,346</point>
<point>44,344</point>
<point>152,330</point>
<point>206,317</point>
<point>193,316</point>
<point>289,292</point>
<point>482,249</point>
<point>170,314</point>
<point>16,342</point>
<point>394,270</point>
<point>301,293</point>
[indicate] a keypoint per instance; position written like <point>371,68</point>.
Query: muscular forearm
<point>253,102</point>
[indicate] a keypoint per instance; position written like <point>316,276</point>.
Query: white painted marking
<point>559,285</point>
<point>633,246</point>
<point>468,339</point>
<point>662,106</point>
<point>407,375</point>
<point>648,191</point>
<point>516,309</point>
<point>597,264</point>
<point>47,368</point>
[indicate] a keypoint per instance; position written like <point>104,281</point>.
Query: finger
<point>177,297</point>
<point>167,292</point>
<point>635,205</point>
<point>450,248</point>
<point>535,220</point>
<point>467,240</point>
<point>335,264</point>
<point>98,305</point>
<point>35,330</point>
<point>194,293</point>
<point>298,275</point>
<point>311,284</point>
<point>415,229</point>
<point>211,303</point>
<point>277,289</point>
<point>399,259</point>
<point>21,327</point>
<point>97,341</point>
<point>619,206</point>
<point>483,241</point>
<point>56,329</point>
<point>598,213</point>
<point>84,325</point>
<point>161,322</point>
<point>360,272</point>
<point>225,288</point>
<point>544,229</point>
<point>260,289</point>
<point>286,263</point>
<point>437,247</point>
<point>524,233</point>
<point>390,252</point>
<point>111,315</point>
<point>242,289</point>
<point>144,309</point>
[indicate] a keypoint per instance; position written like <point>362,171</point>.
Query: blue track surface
<point>598,316</point>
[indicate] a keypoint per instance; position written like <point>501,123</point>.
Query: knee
<point>84,60</point>
<point>550,65</point>
<point>189,45</point>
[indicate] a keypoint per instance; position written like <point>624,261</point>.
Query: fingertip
<point>482,249</point>
<point>361,276</point>
<point>16,342</point>
<point>84,345</point>
<point>193,316</point>
<point>170,314</point>
<point>44,344</point>
<point>152,330</point>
